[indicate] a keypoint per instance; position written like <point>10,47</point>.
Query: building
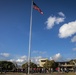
<point>42,61</point>
<point>66,65</point>
<point>61,65</point>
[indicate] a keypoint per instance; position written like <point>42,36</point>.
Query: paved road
<point>71,73</point>
<point>31,74</point>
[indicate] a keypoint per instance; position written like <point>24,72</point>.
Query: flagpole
<point>30,37</point>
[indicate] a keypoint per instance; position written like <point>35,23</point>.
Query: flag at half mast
<point>37,8</point>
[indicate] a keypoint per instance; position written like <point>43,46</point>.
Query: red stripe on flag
<point>37,8</point>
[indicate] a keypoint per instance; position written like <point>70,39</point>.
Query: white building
<point>42,61</point>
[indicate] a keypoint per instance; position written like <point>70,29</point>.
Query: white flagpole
<point>30,37</point>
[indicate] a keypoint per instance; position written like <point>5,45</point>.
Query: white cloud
<point>59,20</point>
<point>12,60</point>
<point>44,52</point>
<point>73,39</point>
<point>39,52</point>
<point>57,57</point>
<point>74,49</point>
<point>51,21</point>
<point>35,51</point>
<point>61,14</point>
<point>23,59</point>
<point>36,59</point>
<point>19,60</point>
<point>5,54</point>
<point>67,30</point>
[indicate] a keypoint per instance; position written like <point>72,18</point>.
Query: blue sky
<point>53,33</point>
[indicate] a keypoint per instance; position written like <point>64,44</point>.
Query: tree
<point>7,65</point>
<point>32,65</point>
<point>50,64</point>
<point>72,62</point>
<point>25,65</point>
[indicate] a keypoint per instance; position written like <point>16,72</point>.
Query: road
<point>38,74</point>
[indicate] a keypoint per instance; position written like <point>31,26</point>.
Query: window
<point>43,60</point>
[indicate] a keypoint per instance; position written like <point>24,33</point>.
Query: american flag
<point>37,8</point>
